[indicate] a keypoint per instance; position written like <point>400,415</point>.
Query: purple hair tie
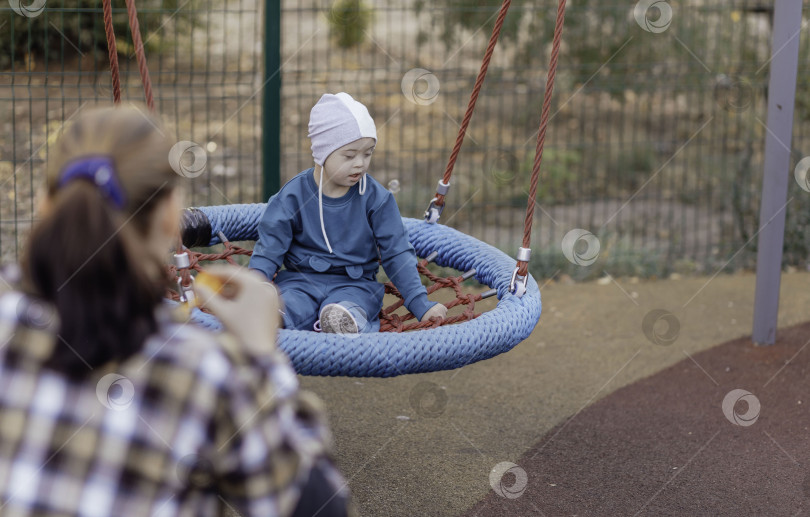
<point>101,172</point>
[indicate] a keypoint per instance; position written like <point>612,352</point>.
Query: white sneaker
<point>337,319</point>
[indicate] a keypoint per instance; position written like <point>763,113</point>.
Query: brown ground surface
<point>426,444</point>
<point>663,445</point>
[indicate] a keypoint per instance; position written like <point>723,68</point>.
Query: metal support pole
<point>271,100</point>
<point>781,97</point>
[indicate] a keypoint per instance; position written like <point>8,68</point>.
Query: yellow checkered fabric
<point>191,426</point>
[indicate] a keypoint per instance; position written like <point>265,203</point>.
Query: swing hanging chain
<point>112,50</point>
<point>437,203</point>
<point>522,266</point>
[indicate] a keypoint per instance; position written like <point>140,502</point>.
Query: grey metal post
<point>781,97</point>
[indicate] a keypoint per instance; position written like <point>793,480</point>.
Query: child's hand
<point>437,310</point>
<point>246,304</point>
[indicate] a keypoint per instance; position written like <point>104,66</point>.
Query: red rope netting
<point>389,321</point>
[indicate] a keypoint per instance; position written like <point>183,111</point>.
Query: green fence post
<point>271,100</point>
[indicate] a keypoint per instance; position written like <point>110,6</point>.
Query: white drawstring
<point>362,189</point>
<point>320,209</point>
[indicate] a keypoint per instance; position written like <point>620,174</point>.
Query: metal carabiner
<point>186,292</point>
<point>515,286</point>
<point>183,261</point>
<point>433,212</point>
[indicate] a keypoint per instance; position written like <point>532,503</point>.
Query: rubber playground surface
<point>599,412</point>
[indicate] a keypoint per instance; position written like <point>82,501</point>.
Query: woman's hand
<point>437,310</point>
<point>246,304</point>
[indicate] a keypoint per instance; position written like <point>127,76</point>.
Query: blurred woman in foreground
<point>112,405</point>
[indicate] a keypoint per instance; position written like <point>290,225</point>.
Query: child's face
<point>345,166</point>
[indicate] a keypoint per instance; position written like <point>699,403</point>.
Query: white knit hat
<point>334,121</point>
<point>337,120</point>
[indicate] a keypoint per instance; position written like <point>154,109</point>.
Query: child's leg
<point>363,298</point>
<point>359,321</point>
<point>301,296</point>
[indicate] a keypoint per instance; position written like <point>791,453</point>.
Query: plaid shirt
<point>191,426</point>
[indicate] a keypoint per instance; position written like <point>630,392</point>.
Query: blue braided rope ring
<point>388,354</point>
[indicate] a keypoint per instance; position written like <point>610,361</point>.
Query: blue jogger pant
<point>305,294</point>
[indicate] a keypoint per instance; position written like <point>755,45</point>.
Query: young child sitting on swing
<point>331,225</point>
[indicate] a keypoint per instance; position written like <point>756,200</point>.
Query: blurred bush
<point>348,22</point>
<point>79,29</point>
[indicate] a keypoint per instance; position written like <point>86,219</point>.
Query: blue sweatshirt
<point>357,225</point>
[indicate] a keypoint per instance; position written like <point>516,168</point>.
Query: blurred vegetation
<point>617,255</point>
<point>348,22</point>
<point>78,29</point>
<point>747,198</point>
<point>797,228</point>
<point>714,63</point>
<point>595,31</point>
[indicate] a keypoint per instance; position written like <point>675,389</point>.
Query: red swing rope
<point>140,55</point>
<point>389,320</point>
<point>479,82</point>
<point>112,51</point>
<point>143,69</point>
<point>523,265</point>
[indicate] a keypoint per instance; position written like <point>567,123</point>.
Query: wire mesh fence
<point>655,144</point>
<point>205,65</point>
